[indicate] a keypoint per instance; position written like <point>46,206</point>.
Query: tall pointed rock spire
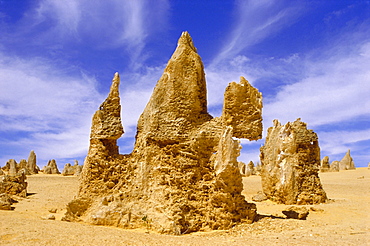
<point>106,128</point>
<point>179,100</point>
<point>107,120</point>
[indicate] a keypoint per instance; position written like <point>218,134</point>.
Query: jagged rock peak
<point>114,89</point>
<point>186,39</point>
<point>106,122</point>
<point>179,100</point>
<point>347,162</point>
<point>182,174</point>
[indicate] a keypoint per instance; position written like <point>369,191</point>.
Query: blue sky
<point>310,59</point>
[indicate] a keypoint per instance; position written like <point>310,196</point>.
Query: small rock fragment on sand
<point>293,212</point>
<point>259,197</point>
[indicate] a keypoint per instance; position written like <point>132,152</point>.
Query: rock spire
<point>347,162</point>
<point>183,173</point>
<point>179,100</point>
<point>106,128</point>
<point>290,161</point>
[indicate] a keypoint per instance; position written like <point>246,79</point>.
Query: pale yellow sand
<point>344,220</point>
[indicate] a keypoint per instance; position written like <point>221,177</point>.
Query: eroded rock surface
<point>27,167</point>
<point>299,213</point>
<point>290,161</point>
<point>334,166</point>
<point>325,166</point>
<point>31,163</point>
<point>183,174</point>
<point>242,110</point>
<point>70,170</point>
<point>51,167</point>
<point>5,202</point>
<point>10,167</point>
<point>14,185</point>
<point>347,162</point>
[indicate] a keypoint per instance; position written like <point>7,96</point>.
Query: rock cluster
<point>346,163</point>
<point>27,167</point>
<point>290,161</point>
<point>70,170</point>
<point>183,174</point>
<point>51,168</point>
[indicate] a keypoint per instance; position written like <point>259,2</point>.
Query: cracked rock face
<point>243,110</point>
<point>182,175</point>
<point>290,161</point>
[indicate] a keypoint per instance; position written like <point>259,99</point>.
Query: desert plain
<point>343,220</point>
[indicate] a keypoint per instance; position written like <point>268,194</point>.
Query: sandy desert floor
<point>344,220</point>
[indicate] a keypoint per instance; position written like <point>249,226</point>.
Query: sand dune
<point>344,220</point>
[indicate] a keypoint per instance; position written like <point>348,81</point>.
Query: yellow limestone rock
<point>290,161</point>
<point>243,110</point>
<point>347,162</point>
<point>103,151</point>
<point>182,175</point>
<point>325,165</point>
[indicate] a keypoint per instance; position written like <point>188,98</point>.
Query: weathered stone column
<point>290,162</point>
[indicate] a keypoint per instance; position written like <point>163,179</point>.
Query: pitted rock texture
<point>14,185</point>
<point>347,162</point>
<point>179,100</point>
<point>290,161</point>
<point>102,167</point>
<point>182,175</point>
<point>242,110</point>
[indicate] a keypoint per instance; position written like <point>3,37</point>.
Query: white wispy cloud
<point>97,24</point>
<point>256,20</point>
<point>332,90</point>
<point>46,104</point>
<point>52,110</point>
